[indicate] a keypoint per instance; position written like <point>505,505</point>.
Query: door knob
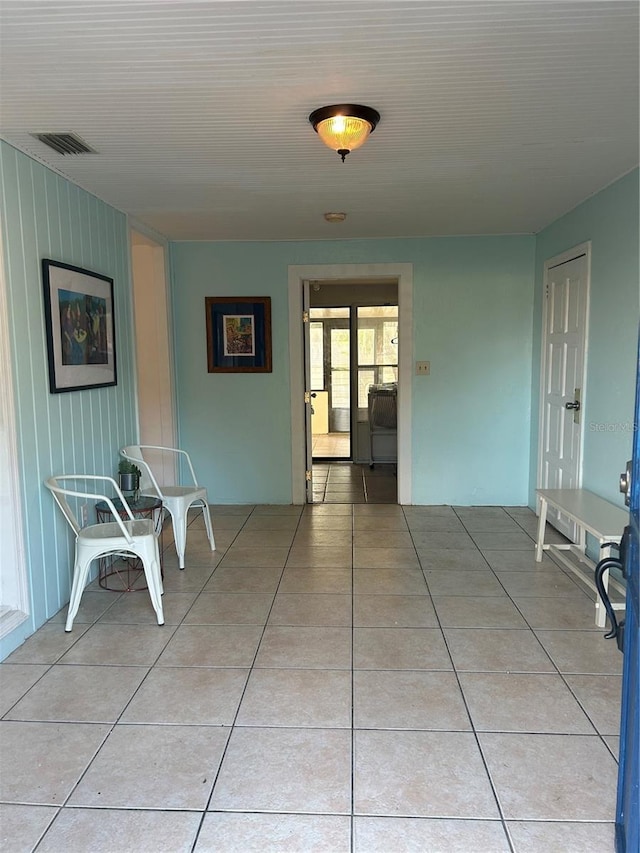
<point>313,394</point>
<point>575,405</point>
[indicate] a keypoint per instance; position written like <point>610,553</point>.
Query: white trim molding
<point>14,586</point>
<point>366,273</point>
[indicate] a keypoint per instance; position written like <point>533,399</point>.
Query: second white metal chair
<point>176,499</point>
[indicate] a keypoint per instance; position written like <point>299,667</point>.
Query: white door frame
<point>14,588</point>
<point>550,263</point>
<point>367,272</point>
<point>154,352</point>
<point>306,379</point>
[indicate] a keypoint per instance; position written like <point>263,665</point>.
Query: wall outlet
<point>84,515</point>
<point>423,368</point>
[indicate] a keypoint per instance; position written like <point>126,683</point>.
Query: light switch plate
<point>423,368</point>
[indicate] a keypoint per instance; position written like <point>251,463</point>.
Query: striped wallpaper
<point>46,216</point>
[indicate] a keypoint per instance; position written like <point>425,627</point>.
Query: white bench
<point>591,514</point>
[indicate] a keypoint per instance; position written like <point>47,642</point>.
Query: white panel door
<point>563,364</point>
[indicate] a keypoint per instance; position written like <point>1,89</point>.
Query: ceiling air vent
<point>64,143</point>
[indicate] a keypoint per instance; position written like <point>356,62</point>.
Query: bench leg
<point>582,539</point>
<point>542,524</point>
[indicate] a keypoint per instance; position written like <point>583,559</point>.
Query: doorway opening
<point>351,357</point>
<point>156,415</point>
<point>366,276</point>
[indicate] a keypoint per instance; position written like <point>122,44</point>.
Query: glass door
<point>354,357</point>
<point>330,341</point>
<point>377,383</point>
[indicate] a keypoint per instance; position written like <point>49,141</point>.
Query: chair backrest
<point>61,492</point>
<point>148,481</point>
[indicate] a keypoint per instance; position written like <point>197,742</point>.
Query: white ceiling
<point>497,117</point>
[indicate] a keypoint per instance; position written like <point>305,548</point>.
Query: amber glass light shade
<point>344,127</point>
<point>344,132</point>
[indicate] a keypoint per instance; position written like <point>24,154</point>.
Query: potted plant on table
<point>129,478</point>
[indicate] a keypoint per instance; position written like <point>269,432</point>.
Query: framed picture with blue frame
<point>238,334</point>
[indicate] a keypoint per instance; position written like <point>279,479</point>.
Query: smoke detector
<point>335,217</point>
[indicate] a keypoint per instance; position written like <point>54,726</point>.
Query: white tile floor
<point>339,678</point>
<point>340,482</point>
<point>332,444</point>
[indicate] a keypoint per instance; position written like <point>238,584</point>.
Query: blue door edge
<point>627,832</point>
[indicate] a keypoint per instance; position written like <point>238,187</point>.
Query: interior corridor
<point>338,678</point>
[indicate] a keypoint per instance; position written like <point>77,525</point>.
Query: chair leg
<point>152,575</point>
<point>180,534</point>
<point>208,524</point>
<point>80,575</point>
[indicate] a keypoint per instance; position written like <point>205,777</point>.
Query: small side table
<point>126,574</point>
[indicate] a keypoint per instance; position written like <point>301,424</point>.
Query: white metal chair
<point>176,499</point>
<point>122,537</point>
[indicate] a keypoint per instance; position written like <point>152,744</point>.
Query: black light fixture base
<point>343,152</point>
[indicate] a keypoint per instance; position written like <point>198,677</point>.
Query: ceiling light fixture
<point>344,127</point>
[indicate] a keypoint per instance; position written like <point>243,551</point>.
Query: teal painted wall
<point>473,302</point>
<point>45,216</point>
<point>610,221</point>
<point>477,318</point>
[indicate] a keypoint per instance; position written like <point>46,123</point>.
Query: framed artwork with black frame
<point>238,334</point>
<point>80,327</point>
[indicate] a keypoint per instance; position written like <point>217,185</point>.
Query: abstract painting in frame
<point>78,311</point>
<point>238,334</point>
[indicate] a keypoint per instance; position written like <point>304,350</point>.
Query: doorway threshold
<point>351,483</point>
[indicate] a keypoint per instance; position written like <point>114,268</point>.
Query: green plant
<point>127,467</point>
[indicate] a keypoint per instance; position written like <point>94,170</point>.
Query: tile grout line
<point>251,668</point>
<point>468,712</point>
<point>558,671</point>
